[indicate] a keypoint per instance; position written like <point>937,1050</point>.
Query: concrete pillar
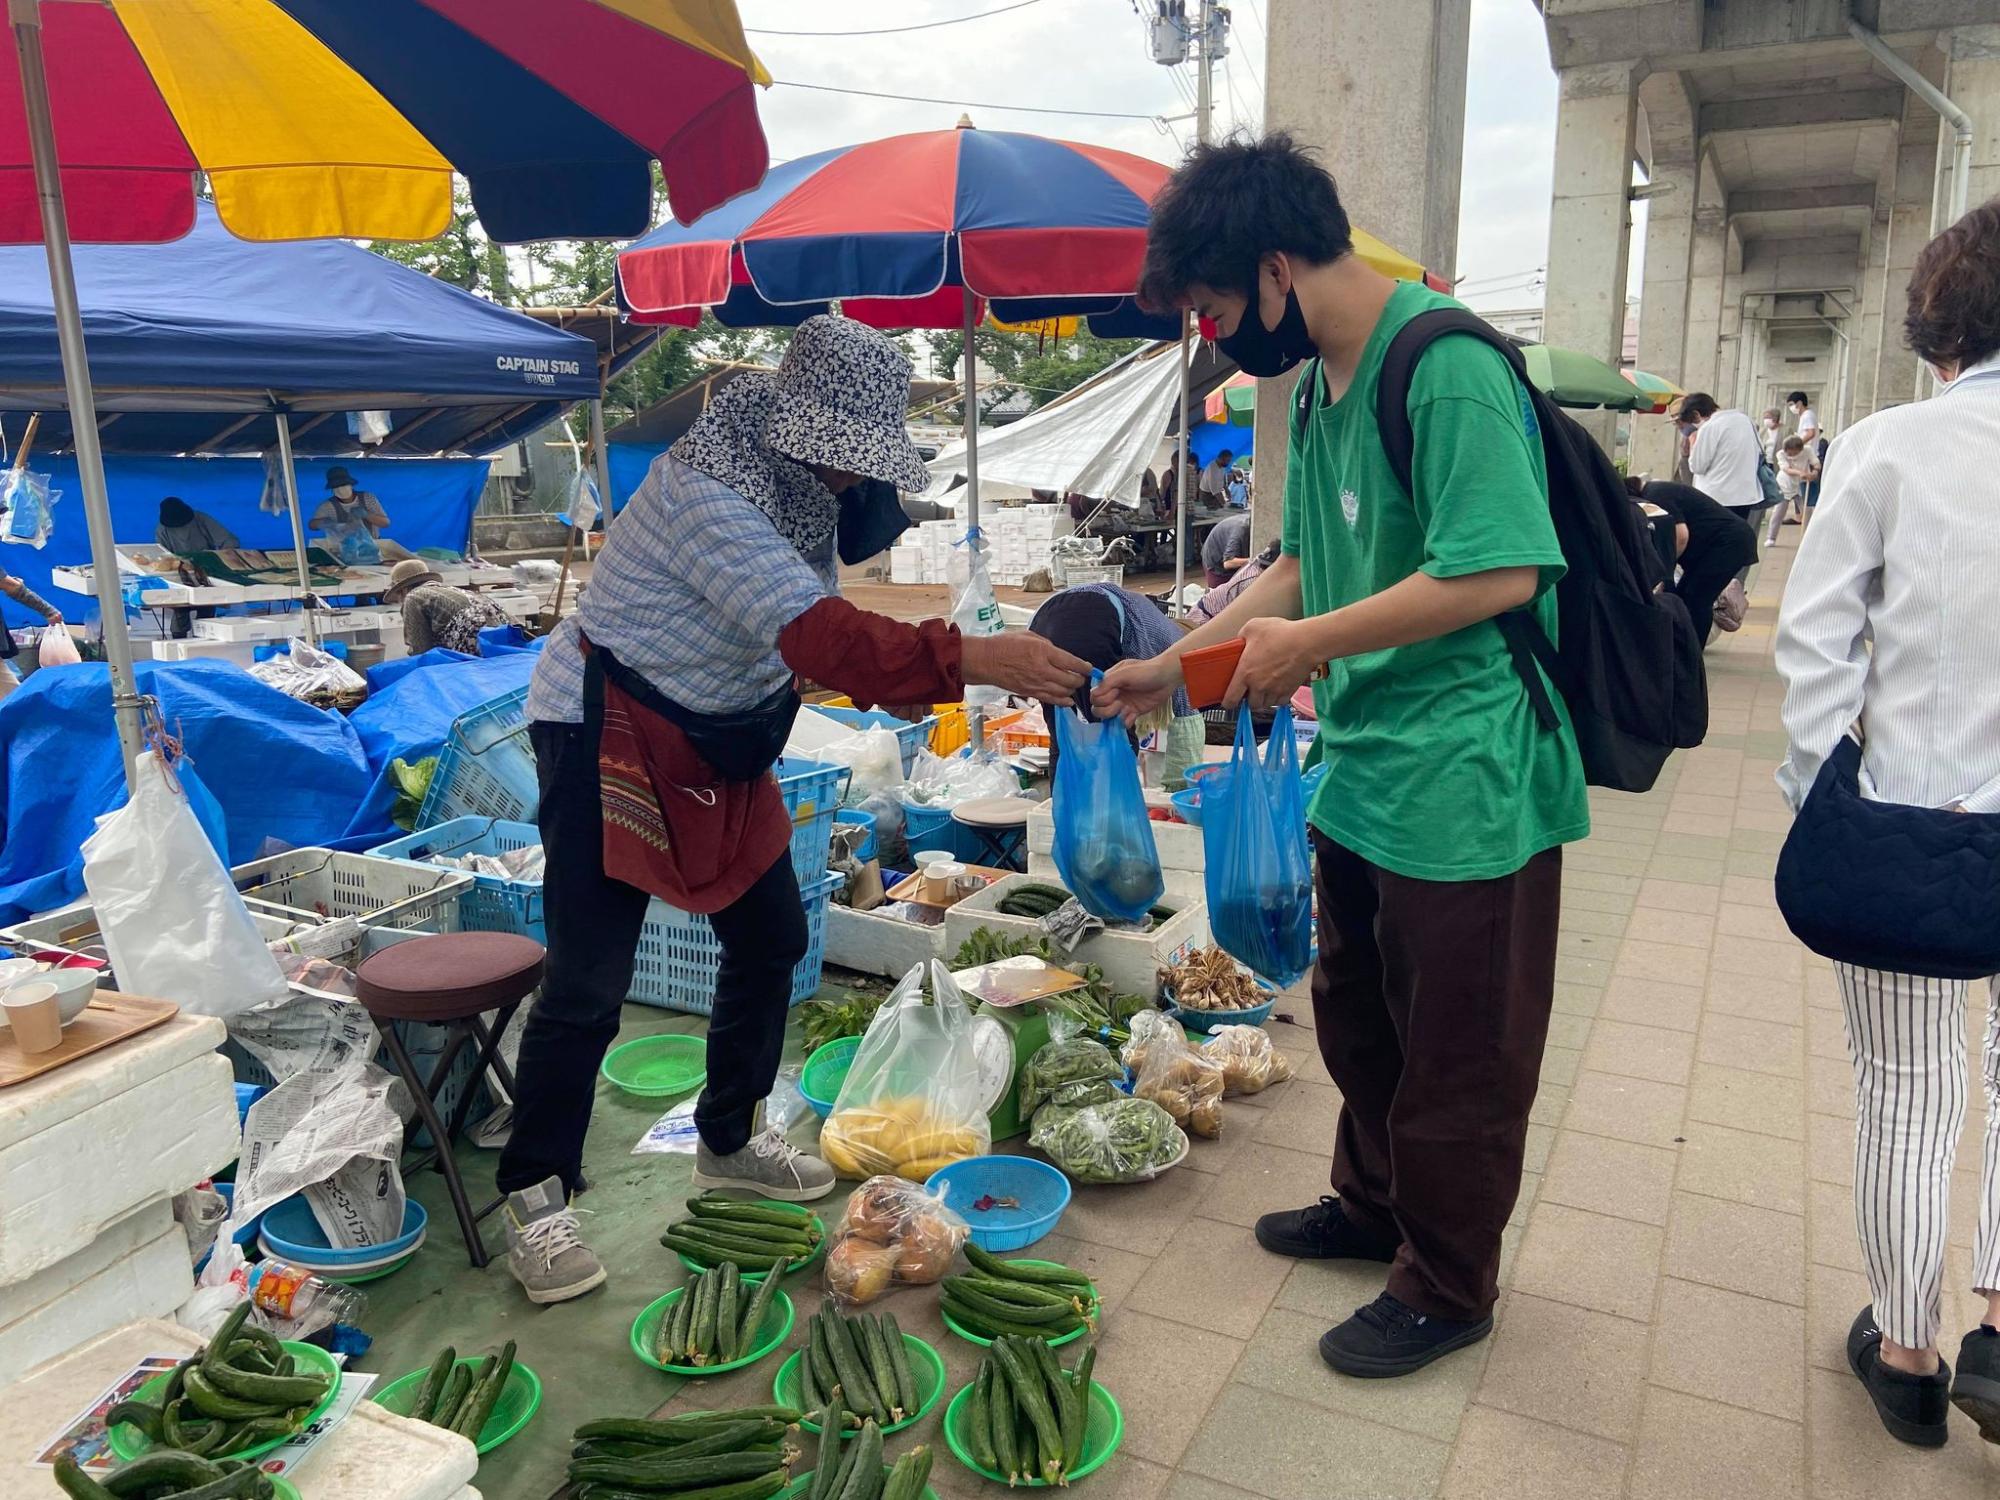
<point>1872,326</point>
<point>1378,87</point>
<point>1708,259</point>
<point>1590,219</point>
<point>1973,82</point>
<point>1663,304</point>
<point>1896,368</point>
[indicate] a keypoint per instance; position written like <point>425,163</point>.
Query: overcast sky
<point>1092,55</point>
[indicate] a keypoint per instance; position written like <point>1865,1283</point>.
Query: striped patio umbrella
<point>315,118</point>
<point>1659,391</point>
<point>1233,402</point>
<point>1572,378</point>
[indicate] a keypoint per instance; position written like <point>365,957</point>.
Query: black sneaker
<point>1320,1231</point>
<point>1975,1389</point>
<point>1912,1407</point>
<point>1388,1337</point>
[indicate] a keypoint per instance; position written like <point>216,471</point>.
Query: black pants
<point>1431,999</point>
<point>593,940</point>
<point>1706,570</point>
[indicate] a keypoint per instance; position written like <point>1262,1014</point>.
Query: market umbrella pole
<point>1181,471</point>
<point>25,18</point>
<point>975,714</point>
<point>298,522</point>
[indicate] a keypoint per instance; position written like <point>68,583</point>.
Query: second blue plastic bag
<point>1103,842</point>
<point>1259,865</point>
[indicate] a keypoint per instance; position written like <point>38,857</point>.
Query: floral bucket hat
<point>842,391</point>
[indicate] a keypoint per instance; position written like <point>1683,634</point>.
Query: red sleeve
<point>872,658</point>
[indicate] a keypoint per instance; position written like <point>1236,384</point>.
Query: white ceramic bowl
<point>74,987</point>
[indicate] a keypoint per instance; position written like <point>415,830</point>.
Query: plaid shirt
<point>690,591</point>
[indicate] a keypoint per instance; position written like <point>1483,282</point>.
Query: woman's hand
<point>1276,661</point>
<point>1132,689</point>
<point>1022,662</point>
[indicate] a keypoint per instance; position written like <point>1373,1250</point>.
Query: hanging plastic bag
<point>58,648</point>
<point>1103,840</point>
<point>174,925</point>
<point>1259,876</point>
<point>975,608</point>
<point>912,1102</point>
<point>27,498</point>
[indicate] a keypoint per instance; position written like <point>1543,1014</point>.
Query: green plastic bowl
<point>654,1067</point>
<point>803,1484</point>
<point>646,1327</point>
<point>825,1071</point>
<point>926,1368</point>
<point>1096,1311</point>
<point>519,1400</point>
<point>128,1442</point>
<point>814,1259</point>
<point>281,1489</point>
<point>1103,1431</point>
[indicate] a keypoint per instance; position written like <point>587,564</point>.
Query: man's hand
<point>1277,659</point>
<point>1132,689</point>
<point>1024,663</point>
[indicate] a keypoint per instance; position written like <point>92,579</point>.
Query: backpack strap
<point>1305,395</point>
<point>1527,643</point>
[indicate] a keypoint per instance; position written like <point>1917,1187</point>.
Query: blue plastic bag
<point>1103,842</point>
<point>1259,865</point>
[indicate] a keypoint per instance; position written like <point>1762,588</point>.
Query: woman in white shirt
<point>1889,629</point>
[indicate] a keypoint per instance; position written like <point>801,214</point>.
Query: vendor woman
<point>656,715</point>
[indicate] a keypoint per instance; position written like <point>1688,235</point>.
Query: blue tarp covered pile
<point>281,771</point>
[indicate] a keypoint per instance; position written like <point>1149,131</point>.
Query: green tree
<point>1042,367</point>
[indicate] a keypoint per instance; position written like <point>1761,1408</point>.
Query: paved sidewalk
<point>1683,1266</point>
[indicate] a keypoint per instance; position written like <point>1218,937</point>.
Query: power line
<point>897,30</point>
<point>1022,109</point>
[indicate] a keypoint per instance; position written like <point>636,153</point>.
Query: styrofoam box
<point>84,1145</point>
<point>243,653</point>
<point>1131,960</point>
<point>248,628</point>
<point>137,1268</point>
<point>870,943</point>
<point>1183,886</point>
<point>373,1455</point>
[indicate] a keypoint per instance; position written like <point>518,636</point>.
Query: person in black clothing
<point>1711,541</point>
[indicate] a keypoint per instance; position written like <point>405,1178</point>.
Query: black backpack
<point>1630,665</point>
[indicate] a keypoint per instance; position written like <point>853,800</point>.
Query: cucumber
<point>226,1334</point>
<point>863,1478</point>
<point>1064,1399</point>
<point>1014,1270</point>
<point>906,1479</point>
<point>1018,1293</point>
<point>824,1370</point>
<point>795,1232</point>
<point>1080,1386</point>
<point>140,1414</point>
<point>433,1384</point>
<point>705,1252</point>
<point>761,1488</point>
<point>782,1215</point>
<point>812,1391</point>
<point>1000,1416</point>
<point>978,1430</point>
<point>271,1390</point>
<point>456,1384</point>
<point>899,1364</point>
<point>717,1245</point>
<point>210,1402</point>
<point>880,1370</point>
<point>849,1365</point>
<point>826,1464</point>
<point>1032,1399</point>
<point>1010,1312</point>
<point>753,1315</point>
<point>705,1342</point>
<point>735,1437</point>
<point>727,1325</point>
<point>160,1468</point>
<point>485,1396</point>
<point>990,1327</point>
<point>671,1472</point>
<point>76,1484</point>
<point>666,1431</point>
<point>243,1484</point>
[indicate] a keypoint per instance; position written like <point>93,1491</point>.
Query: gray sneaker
<point>770,1165</point>
<point>544,1250</point>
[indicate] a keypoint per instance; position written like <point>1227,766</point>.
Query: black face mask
<point>871,518</point>
<point>1264,352</point>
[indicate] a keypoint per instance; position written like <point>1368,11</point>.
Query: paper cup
<point>33,1015</point>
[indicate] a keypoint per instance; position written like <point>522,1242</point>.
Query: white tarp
<point>1097,442</point>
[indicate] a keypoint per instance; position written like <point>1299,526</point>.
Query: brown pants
<point>1431,999</point>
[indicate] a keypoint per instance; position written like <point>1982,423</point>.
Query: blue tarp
<point>279,770</point>
<point>429,501</point>
<point>187,337</point>
<point>1206,439</point>
<point>629,463</point>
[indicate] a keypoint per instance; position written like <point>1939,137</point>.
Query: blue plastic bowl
<point>1207,768</point>
<point>1041,1190</point>
<point>1187,806</point>
<point>1208,1020</point>
<point>294,1234</point>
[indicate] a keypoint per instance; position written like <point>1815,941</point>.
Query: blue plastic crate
<point>486,768</point>
<point>926,827</point>
<point>812,792</point>
<point>679,954</point>
<point>494,904</point>
<point>909,737</point>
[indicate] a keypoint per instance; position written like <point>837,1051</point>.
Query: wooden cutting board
<point>108,1019</point>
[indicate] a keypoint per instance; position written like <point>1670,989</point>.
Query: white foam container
<point>872,944</point>
<point>1131,960</point>
<point>87,1144</point>
<point>1182,861</point>
<point>138,1268</point>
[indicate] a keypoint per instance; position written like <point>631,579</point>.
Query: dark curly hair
<point>1954,316</point>
<point>1231,202</point>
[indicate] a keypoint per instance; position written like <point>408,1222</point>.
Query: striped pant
<point>1906,1035</point>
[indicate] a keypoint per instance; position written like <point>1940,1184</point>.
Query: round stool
<point>451,980</point>
<point>999,825</point>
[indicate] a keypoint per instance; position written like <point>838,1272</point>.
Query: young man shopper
<point>1438,827</point>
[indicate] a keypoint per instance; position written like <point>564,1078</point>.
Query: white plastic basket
<point>1075,573</point>
<point>326,883</point>
<point>74,929</point>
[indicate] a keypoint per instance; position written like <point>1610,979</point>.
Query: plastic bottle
<point>295,1303</point>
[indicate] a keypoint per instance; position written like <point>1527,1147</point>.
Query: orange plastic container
<point>1208,670</point>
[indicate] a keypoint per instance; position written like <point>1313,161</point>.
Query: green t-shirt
<point>1437,767</point>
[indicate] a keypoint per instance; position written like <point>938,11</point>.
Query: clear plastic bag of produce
<point>1070,1070</point>
<point>1250,1063</point>
<point>912,1102</point>
<point>1103,840</point>
<point>1127,1140</point>
<point>1259,875</point>
<point>892,1232</point>
<point>1181,1080</point>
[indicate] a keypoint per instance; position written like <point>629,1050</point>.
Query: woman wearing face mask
<point>347,511</point>
<point>1902,554</point>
